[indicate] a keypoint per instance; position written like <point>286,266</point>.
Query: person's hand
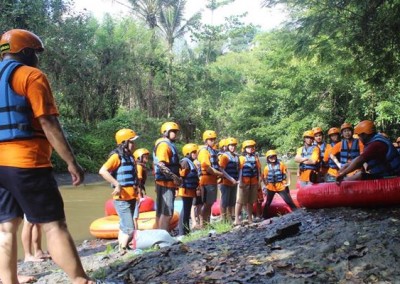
<point>77,173</point>
<point>232,180</point>
<point>116,191</point>
<point>339,178</point>
<point>177,180</point>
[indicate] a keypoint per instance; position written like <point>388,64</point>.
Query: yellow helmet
<point>125,134</point>
<point>189,148</point>
<point>168,126</point>
<point>333,130</point>
<point>345,126</point>
<point>140,152</point>
<point>13,41</point>
<point>248,143</point>
<point>308,133</point>
<point>231,141</point>
<point>317,130</point>
<point>365,127</point>
<point>222,143</point>
<point>271,153</point>
<point>209,134</point>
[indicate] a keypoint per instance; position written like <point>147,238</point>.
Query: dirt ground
<point>338,245</point>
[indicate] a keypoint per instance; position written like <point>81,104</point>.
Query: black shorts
<point>198,200</point>
<point>33,192</point>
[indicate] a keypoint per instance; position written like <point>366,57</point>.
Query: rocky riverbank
<point>339,245</point>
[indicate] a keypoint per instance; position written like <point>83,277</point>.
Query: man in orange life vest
<point>382,158</point>
<point>329,159</point>
<point>208,159</point>
<point>319,141</point>
<point>308,158</point>
<point>166,169</point>
<point>349,148</point>
<point>28,134</point>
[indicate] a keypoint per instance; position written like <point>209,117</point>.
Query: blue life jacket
<point>15,111</point>
<point>306,152</point>
<point>391,165</point>
<point>173,165</point>
<point>274,172</point>
<point>232,168</point>
<point>213,159</point>
<point>250,166</point>
<point>191,180</point>
<point>347,154</point>
<point>126,174</point>
<point>331,163</point>
<point>322,149</point>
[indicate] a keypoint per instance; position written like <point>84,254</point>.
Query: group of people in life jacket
<point>350,154</point>
<point>204,169</point>
<point>196,177</point>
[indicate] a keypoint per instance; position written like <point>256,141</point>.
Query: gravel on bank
<point>338,245</point>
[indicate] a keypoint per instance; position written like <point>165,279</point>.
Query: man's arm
<point>354,165</point>
<point>55,135</point>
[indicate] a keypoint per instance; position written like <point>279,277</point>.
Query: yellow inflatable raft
<point>108,227</point>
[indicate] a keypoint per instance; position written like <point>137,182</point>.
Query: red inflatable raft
<point>277,207</point>
<point>366,193</point>
<point>146,205</point>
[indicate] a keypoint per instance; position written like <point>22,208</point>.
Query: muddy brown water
<point>85,203</point>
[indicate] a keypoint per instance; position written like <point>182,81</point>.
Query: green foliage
<point>335,61</point>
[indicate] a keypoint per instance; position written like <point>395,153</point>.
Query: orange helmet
<point>140,152</point>
<point>125,135</point>
<point>231,141</point>
<point>209,134</point>
<point>248,143</point>
<point>317,130</point>
<point>345,126</point>
<point>13,41</point>
<point>308,133</point>
<point>365,127</point>
<point>333,130</point>
<point>271,153</point>
<point>168,126</point>
<point>189,148</point>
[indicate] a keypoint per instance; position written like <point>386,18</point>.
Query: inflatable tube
<point>108,227</point>
<point>216,208</point>
<point>277,207</point>
<point>365,193</point>
<point>146,205</point>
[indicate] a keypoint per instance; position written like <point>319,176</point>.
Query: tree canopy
<point>333,61</point>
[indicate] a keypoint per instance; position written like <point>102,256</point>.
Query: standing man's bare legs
<point>63,251</point>
<point>8,251</point>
